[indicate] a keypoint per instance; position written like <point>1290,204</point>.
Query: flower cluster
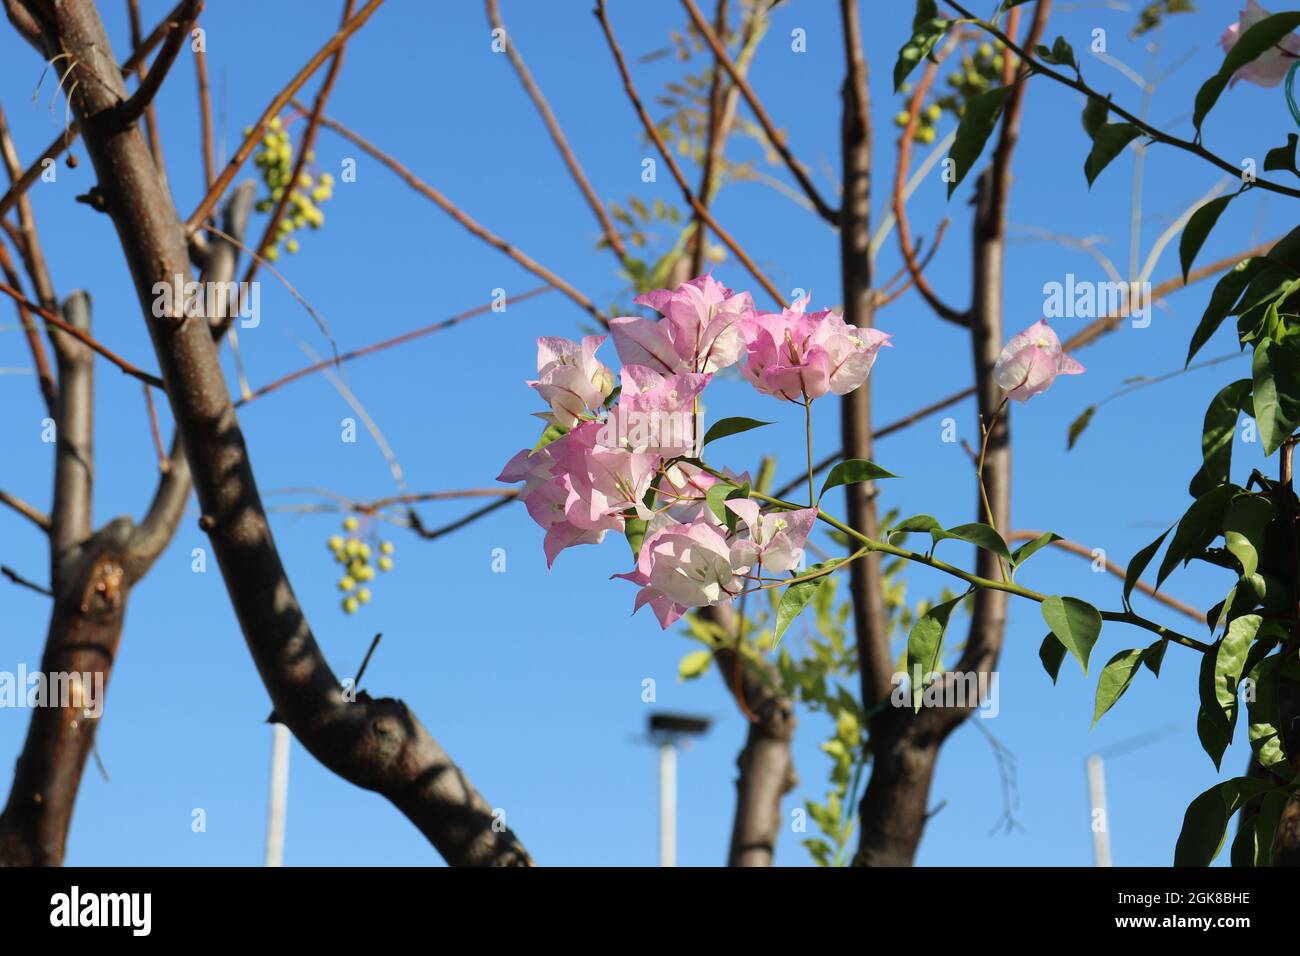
<point>622,459</point>
<point>625,458</point>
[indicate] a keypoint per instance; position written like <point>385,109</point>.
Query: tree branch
<point>773,135</point>
<point>304,149</point>
<point>451,209</point>
<point>273,109</point>
<point>34,515</point>
<point>700,209</point>
<point>557,134</point>
<point>377,744</point>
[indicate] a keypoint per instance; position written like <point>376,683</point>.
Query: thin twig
<point>774,136</point>
<point>304,149</point>
<point>44,375</point>
<point>653,133</point>
<point>21,581</point>
<point>82,337</point>
<point>361,671</point>
<point>34,515</point>
<point>451,209</point>
<point>273,109</point>
<point>164,463</point>
<point>557,134</point>
<point>1084,551</point>
<point>386,344</point>
<point>1190,146</point>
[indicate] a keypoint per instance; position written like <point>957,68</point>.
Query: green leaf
<point>1276,390</point>
<point>694,665</point>
<point>978,534</point>
<point>928,29</point>
<point>1075,623</point>
<point>1266,824</point>
<point>914,523</point>
<point>1154,655</point>
<point>925,646</point>
<point>1197,528</point>
<point>634,530</point>
<point>1264,714</point>
<point>852,472</point>
<point>1078,425</point>
<point>720,493</point>
<point>1114,680</point>
<point>795,599</point>
<point>730,426</point>
<point>1227,291</point>
<point>977,124</point>
<point>1205,824</point>
<point>1217,435</point>
<point>550,433</point>
<point>1051,652</point>
<point>1138,563</point>
<point>1198,228</point>
<point>1061,54</point>
<point>1282,157</point>
<point>1108,143</point>
<point>1030,548</point>
<point>1095,112</point>
<point>1243,529</point>
<point>1249,46</point>
<point>1220,675</point>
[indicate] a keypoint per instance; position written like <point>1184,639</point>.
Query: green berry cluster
<point>978,72</point>
<point>355,555</point>
<point>275,160</point>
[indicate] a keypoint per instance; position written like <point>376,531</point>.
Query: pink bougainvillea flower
<point>606,481</point>
<point>549,504</point>
<point>571,379</point>
<point>1270,67</point>
<point>698,332</point>
<point>551,501</point>
<point>655,413</point>
<point>776,539</point>
<point>683,566</point>
<point>797,355</point>
<point>1031,361</point>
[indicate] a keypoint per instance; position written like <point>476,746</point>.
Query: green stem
<point>1010,587</point>
<point>807,420</point>
<point>979,477</point>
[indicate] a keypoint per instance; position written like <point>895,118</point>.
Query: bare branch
<point>1083,551</point>
<point>451,209</point>
<point>695,204</point>
<point>774,136</point>
<point>81,336</point>
<point>272,110</point>
<point>304,150</point>
<point>557,134</point>
<point>34,515</point>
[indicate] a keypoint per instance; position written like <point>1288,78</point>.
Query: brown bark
<point>905,745</point>
<point>765,764</point>
<point>92,576</point>
<point>377,744</point>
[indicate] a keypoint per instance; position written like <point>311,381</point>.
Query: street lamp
<point>666,731</point>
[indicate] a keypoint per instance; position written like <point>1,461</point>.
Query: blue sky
<point>532,680</point>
